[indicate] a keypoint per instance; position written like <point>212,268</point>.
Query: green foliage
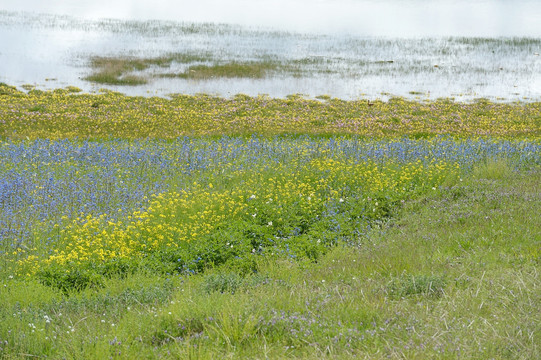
<point>493,169</point>
<point>348,259</point>
<point>334,308</point>
<point>223,282</point>
<point>76,278</point>
<point>427,285</point>
<point>70,280</point>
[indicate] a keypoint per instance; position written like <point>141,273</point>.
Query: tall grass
<point>439,281</point>
<point>268,246</point>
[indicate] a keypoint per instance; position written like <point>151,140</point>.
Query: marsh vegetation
<point>288,194</point>
<point>161,57</point>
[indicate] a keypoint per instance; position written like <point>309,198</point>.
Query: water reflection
<point>370,47</point>
<point>392,18</point>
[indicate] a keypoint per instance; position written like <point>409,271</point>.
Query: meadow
<point>67,114</point>
<point>256,227</point>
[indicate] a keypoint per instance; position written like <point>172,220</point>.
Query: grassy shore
<point>202,227</point>
<point>454,275</point>
<point>66,113</point>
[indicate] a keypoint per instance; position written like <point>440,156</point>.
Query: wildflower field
<point>203,227</point>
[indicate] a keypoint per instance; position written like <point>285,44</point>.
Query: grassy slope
<point>60,114</point>
<point>456,275</point>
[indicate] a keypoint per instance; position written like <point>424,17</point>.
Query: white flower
<point>270,223</point>
<point>252,197</point>
<point>341,200</point>
<point>254,215</point>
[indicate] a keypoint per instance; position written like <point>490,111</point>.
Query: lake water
<point>348,48</point>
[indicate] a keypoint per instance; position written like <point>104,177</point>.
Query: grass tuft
<point>227,282</point>
<point>113,71</point>
<point>254,70</point>
<point>493,169</point>
<point>427,285</point>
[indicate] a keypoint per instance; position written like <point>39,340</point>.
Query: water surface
<point>347,48</point>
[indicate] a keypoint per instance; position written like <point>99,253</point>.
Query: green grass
<point>118,70</point>
<point>109,114</point>
<point>455,275</point>
<point>114,71</point>
<point>255,69</point>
